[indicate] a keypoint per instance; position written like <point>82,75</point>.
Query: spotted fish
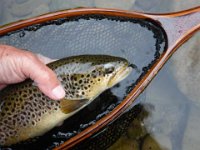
<point>25,112</point>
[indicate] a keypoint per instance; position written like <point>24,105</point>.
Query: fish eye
<point>109,70</point>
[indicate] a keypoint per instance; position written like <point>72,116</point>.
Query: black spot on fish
<point>80,81</point>
<point>33,123</point>
<point>5,121</point>
<point>30,91</point>
<point>14,121</point>
<point>35,104</point>
<point>9,103</point>
<point>6,108</point>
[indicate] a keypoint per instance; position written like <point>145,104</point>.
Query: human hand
<point>17,65</point>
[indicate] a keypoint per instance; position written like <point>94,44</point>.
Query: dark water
<point>139,41</point>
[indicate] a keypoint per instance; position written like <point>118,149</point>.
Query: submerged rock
<point>150,143</point>
<point>192,130</point>
<point>121,4</point>
<point>125,144</point>
<point>68,4</point>
<point>15,10</point>
<point>188,75</point>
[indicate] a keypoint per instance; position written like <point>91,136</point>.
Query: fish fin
<point>60,124</point>
<point>68,106</point>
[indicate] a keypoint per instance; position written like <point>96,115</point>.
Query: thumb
<point>43,76</point>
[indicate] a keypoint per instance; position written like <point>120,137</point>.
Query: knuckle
<point>46,75</point>
<point>4,49</point>
<point>29,58</point>
<point>29,55</point>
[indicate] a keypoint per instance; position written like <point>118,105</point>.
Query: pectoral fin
<point>68,106</point>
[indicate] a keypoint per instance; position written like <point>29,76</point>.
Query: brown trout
<point>25,112</point>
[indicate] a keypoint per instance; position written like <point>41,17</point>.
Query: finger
<point>2,86</point>
<point>43,76</point>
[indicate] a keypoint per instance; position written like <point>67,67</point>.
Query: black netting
<point>139,41</point>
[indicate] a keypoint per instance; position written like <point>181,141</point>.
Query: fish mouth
<point>120,75</point>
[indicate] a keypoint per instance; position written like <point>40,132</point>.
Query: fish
<point>25,112</point>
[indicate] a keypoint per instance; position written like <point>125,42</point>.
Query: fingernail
<point>58,92</point>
